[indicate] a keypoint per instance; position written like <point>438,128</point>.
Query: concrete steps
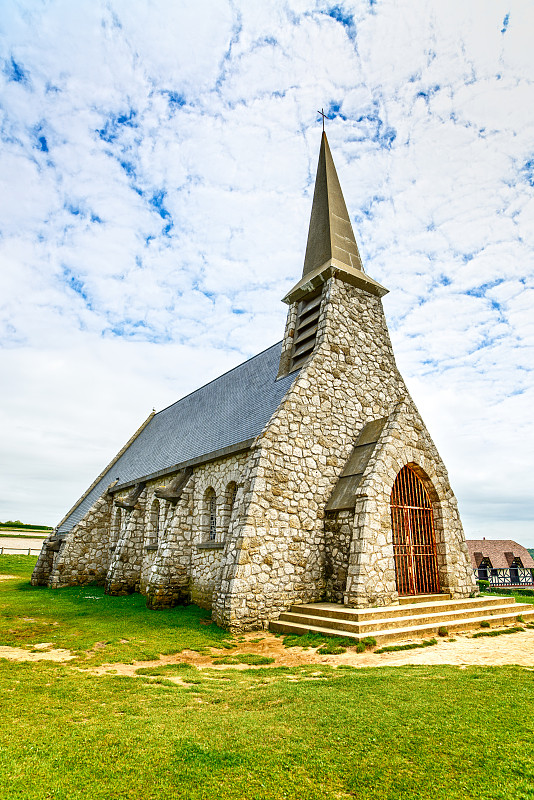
<point>413,618</point>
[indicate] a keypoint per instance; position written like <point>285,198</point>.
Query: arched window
<point>211,514</point>
<point>414,541</point>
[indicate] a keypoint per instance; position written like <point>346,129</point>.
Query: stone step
<point>335,611</point>
<point>410,632</point>
<point>371,625</point>
<point>423,598</point>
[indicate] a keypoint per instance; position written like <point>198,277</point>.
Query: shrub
<point>484,624</point>
<point>443,631</point>
<point>331,649</point>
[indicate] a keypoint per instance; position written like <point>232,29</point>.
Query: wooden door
<point>414,541</point>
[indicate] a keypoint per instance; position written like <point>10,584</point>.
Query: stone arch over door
<point>414,534</point>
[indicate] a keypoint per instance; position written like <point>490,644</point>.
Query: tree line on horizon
<point>25,526</point>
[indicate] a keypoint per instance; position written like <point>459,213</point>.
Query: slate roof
<point>501,552</point>
<point>231,409</point>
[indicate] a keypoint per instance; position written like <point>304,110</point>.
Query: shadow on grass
<point>83,618</point>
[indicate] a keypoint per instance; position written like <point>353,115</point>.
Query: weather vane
<point>323,115</point>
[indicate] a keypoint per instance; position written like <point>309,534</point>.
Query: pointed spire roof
<point>330,234</point>
<point>331,248</point>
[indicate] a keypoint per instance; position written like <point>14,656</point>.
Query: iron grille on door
<point>414,541</point>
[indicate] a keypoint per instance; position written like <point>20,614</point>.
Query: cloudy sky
<point>156,166</point>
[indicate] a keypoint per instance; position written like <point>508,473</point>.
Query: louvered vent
<point>305,330</point>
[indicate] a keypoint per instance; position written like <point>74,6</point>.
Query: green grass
<point>252,659</point>
<point>392,648</point>
<point>319,734</point>
<point>83,618</point>
<point>264,733</point>
<point>515,629</point>
<point>17,565</point>
<point>172,670</point>
<point>307,640</point>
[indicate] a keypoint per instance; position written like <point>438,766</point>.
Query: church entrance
<point>414,541</point>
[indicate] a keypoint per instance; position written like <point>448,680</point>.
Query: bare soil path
<point>464,651</point>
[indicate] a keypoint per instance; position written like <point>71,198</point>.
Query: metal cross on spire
<point>323,115</point>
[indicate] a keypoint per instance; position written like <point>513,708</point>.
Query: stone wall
<point>83,555</point>
<point>45,561</point>
<point>371,576</point>
<point>124,573</point>
<point>338,533</point>
<point>187,564</point>
<point>220,476</point>
<point>168,581</point>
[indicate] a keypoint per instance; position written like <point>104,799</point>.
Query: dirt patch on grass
<point>8,577</point>
<point>464,651</point>
<point>39,653</point>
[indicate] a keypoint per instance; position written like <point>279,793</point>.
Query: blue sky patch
<point>157,202</point>
<point>342,16</point>
<point>112,128</point>
<point>15,72</point>
<point>528,171</point>
<point>334,110</point>
<point>176,100</point>
<point>129,168</point>
<point>377,131</point>
<point>76,284</point>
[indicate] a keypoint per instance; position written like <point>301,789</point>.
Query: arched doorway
<point>414,541</point>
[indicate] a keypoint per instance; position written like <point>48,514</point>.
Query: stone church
<point>305,474</point>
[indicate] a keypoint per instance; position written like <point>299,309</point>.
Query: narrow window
<point>116,523</point>
<point>153,524</point>
<point>231,493</point>
<point>212,515</point>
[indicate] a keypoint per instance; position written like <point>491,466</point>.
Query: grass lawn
<point>310,732</point>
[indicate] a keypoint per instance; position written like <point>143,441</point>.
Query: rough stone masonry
<point>273,484</point>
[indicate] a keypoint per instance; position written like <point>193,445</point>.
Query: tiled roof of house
<point>500,552</point>
<point>231,409</point>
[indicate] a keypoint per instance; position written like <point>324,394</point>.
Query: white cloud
<point>157,167</point>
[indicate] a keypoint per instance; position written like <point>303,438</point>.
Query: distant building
<point>304,474</point>
<point>502,562</point>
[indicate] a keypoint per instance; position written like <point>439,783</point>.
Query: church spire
<point>331,248</point>
<point>330,233</point>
